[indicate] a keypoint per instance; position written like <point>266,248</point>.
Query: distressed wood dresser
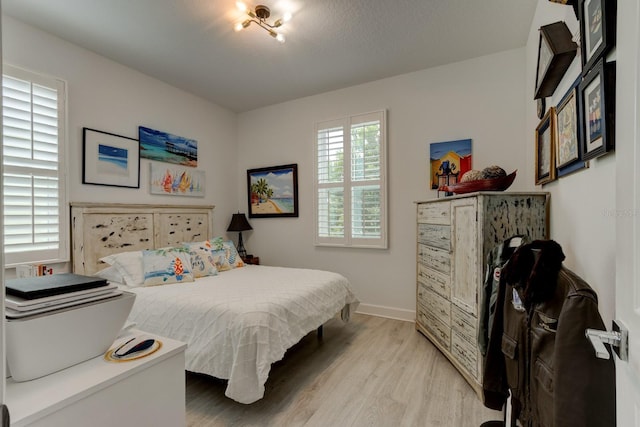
<point>454,238</point>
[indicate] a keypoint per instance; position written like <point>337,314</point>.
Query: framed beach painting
<point>165,147</point>
<point>110,159</point>
<point>174,180</point>
<point>273,191</point>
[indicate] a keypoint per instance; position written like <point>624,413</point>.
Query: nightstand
<point>254,260</point>
<point>101,393</point>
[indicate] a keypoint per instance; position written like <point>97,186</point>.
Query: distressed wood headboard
<point>98,229</point>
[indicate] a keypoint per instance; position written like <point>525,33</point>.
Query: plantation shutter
<point>350,182</point>
<point>330,171</point>
<point>33,187</point>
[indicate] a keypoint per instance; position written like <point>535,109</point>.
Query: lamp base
<point>241,250</point>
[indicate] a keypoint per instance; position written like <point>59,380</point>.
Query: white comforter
<point>236,324</point>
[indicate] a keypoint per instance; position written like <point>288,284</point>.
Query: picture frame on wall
<point>597,30</point>
<point>545,170</point>
<point>273,191</point>
<point>569,132</point>
<point>556,50</point>
<point>166,147</point>
<point>110,159</point>
<point>176,180</point>
<point>597,92</point>
<point>449,161</point>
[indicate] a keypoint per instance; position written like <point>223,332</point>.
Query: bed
<point>237,322</point>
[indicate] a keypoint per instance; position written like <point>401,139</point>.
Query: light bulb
<point>241,25</point>
<point>241,6</point>
<point>280,38</point>
<point>287,17</point>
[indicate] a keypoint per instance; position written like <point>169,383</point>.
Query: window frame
<point>62,253</point>
<point>348,184</point>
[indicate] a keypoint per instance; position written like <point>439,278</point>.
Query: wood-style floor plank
<point>371,371</point>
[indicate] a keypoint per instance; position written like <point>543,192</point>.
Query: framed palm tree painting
<point>273,191</point>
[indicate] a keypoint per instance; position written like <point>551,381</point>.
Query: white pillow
<point>129,265</point>
<point>111,274</point>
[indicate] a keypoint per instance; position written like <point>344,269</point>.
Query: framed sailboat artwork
<point>174,180</point>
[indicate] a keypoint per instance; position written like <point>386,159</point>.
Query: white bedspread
<point>238,323</point>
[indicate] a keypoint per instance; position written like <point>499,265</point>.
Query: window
<point>34,203</point>
<point>351,200</point>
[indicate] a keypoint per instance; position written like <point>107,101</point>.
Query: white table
<point>146,392</point>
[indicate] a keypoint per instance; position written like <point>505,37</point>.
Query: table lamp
<point>239,223</point>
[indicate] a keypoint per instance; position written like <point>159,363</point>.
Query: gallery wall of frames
<point>581,126</point>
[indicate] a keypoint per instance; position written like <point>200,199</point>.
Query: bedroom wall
<point>481,99</point>
<point>107,96</point>
<point>487,99</point>
<point>583,204</point>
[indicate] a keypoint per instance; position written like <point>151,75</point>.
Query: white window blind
<point>33,179</point>
<point>351,181</point>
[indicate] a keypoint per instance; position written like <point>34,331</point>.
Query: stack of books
<point>30,296</point>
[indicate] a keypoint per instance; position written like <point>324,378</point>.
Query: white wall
<point>107,96</point>
<point>481,99</point>
<point>487,99</point>
<point>582,204</point>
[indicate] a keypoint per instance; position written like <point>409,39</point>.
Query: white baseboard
<point>389,312</point>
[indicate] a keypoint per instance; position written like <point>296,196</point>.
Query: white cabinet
<point>146,392</point>
<point>454,238</point>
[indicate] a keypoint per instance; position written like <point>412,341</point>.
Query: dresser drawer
<point>436,259</point>
<point>435,213</point>
<point>437,306</point>
<point>435,281</point>
<point>435,235</point>
<point>464,324</point>
<point>439,331</point>
<point>465,353</point>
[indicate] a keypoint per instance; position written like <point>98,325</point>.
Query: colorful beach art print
<point>165,147</point>
<point>273,191</point>
<point>110,159</point>
<point>449,161</point>
<point>176,180</point>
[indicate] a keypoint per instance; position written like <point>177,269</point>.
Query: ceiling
<point>330,44</point>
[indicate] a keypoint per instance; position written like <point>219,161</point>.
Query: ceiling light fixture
<point>260,16</point>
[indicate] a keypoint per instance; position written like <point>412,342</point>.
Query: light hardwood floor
<point>371,371</point>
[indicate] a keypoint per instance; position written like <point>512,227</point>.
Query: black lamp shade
<point>239,223</point>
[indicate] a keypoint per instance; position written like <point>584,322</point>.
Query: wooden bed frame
<point>98,230</point>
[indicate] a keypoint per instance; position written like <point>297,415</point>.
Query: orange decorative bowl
<point>494,184</point>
